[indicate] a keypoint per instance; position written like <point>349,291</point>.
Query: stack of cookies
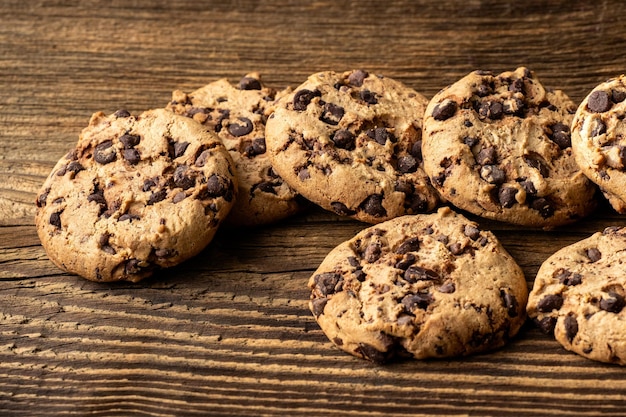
<point>139,193</point>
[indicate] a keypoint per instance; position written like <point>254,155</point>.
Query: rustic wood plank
<point>228,332</point>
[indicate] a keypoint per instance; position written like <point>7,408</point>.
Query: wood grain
<point>229,333</point>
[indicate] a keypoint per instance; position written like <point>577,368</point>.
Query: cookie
<point>237,113</point>
<point>422,286</point>
<point>499,146</point>
<point>351,143</point>
<point>599,142</point>
<point>137,193</point>
<point>579,294</point>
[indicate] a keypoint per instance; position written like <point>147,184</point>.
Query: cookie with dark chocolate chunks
<point>579,295</point>
<point>489,139</point>
<point>125,201</point>
<point>345,140</point>
<point>238,113</point>
<point>398,289</point>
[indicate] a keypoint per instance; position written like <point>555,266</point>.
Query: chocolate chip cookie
<point>237,113</point>
<point>499,146</point>
<point>351,143</point>
<point>579,294</point>
<point>422,286</point>
<point>599,139</point>
<point>137,193</point>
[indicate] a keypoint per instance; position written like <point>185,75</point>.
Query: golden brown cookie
<point>422,286</point>
<point>351,143</point>
<point>579,295</point>
<point>137,193</point>
<point>599,139</point>
<point>237,114</point>
<point>499,146</point>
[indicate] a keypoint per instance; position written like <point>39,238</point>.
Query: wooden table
<point>229,332</point>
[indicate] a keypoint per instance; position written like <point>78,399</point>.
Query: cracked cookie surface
<point>579,296</point>
<point>351,143</point>
<point>136,193</point>
<point>499,146</point>
<point>599,139</point>
<point>237,114</point>
<point>422,286</point>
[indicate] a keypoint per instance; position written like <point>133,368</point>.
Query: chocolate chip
<point>356,77</point>
<point>121,113</point>
<point>593,254</point>
<point>132,156</point>
<point>599,102</point>
<point>98,197</point>
<point>304,174</point>
<point>179,149</point>
<point>546,324</point>
<point>332,114</point>
<point>571,327</point>
<point>484,88</point>
<point>255,147</point>
<point>379,134</point>
<point>130,141</point>
<point>407,164</point>
<point>129,217</point>
<point>202,159</point>
<point>444,110</point>
<point>105,153</point>
<point>343,139</point>
<point>183,177</point>
<point>318,305</point>
<point>456,248</point>
<point>617,96</point>
<point>543,206</point>
<point>535,161</point>
<point>529,187</point>
<point>598,129</point>
<point>416,273</point>
<point>41,198</point>
<point>340,208</point>
<point>368,97</point>
<point>132,267</point>
<point>470,141</point>
<point>416,150</point>
<point>613,304</point>
<point>405,262</point>
<point>148,185</point>
<point>328,283</point>
<point>373,205</point>
<point>447,288</point>
<point>471,231</point>
<point>249,83</point>
<point>242,127</point>
<point>487,156</point>
<point>372,252</point>
<point>506,196</point>
<point>550,302</point>
<point>178,197</point>
<point>510,303</point>
<point>371,353</point>
<point>561,135</point>
<point>55,219</point>
<point>157,196</point>
<point>490,110</point>
<point>411,244</point>
<point>492,174</point>
<point>517,86</point>
<point>303,97</point>
<point>216,186</point>
<point>266,186</point>
<point>411,302</point>
<point>567,277</point>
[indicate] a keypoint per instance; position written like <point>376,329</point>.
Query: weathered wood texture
<point>229,333</point>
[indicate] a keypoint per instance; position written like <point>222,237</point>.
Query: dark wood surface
<point>229,332</point>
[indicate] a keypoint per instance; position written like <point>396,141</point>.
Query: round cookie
<point>351,143</point>
<point>579,295</point>
<point>426,286</point>
<point>499,147</point>
<point>238,115</point>
<point>599,139</point>
<point>137,193</point>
